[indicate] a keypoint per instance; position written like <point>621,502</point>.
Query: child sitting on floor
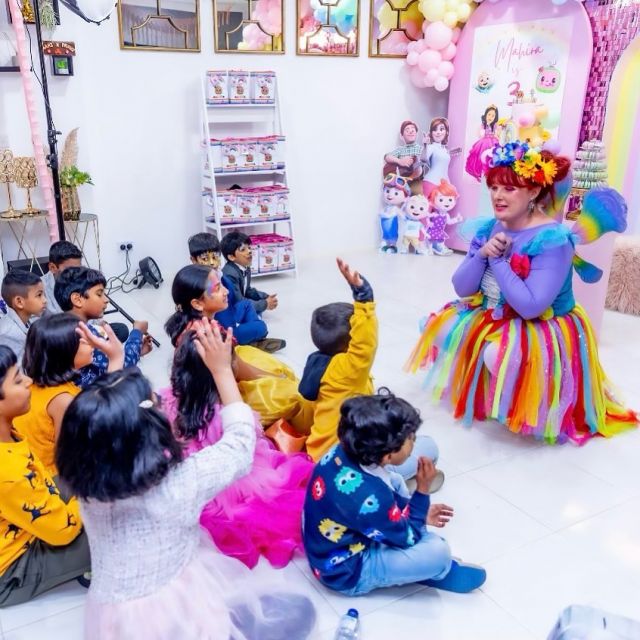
<point>81,291</point>
<point>62,255</point>
<point>260,513</point>
<point>346,336</point>
<point>248,326</point>
<point>155,573</point>
<point>23,293</point>
<point>42,543</point>
<point>266,383</point>
<point>236,249</point>
<point>363,530</point>
<point>57,347</point>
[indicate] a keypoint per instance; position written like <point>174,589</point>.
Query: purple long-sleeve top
<point>548,281</point>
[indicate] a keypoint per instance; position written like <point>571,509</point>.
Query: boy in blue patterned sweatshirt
<point>362,529</point>
<point>81,291</point>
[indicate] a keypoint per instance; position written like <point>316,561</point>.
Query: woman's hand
<point>497,246</point>
<point>439,515</point>
<point>352,277</point>
<point>110,346</point>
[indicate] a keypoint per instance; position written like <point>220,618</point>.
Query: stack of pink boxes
<point>272,252</point>
<point>258,153</point>
<point>253,204</point>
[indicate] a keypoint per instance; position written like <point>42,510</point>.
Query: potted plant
<point>70,179</point>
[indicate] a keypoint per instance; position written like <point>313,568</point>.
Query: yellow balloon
<point>452,5</point>
<point>464,11</point>
<point>433,10</point>
<point>450,19</point>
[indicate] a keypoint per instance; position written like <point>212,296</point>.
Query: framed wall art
<point>249,26</point>
<point>328,27</point>
<point>159,25</point>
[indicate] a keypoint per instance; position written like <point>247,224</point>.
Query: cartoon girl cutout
<point>482,148</point>
<point>435,155</point>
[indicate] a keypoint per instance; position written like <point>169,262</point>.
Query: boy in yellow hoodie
<point>346,336</point>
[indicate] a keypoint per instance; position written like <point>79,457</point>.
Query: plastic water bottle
<point>349,626</point>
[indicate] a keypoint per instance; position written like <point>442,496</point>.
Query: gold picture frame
<point>399,7</point>
<point>136,42</point>
<point>223,37</point>
<point>305,35</point>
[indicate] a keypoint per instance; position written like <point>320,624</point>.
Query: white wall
<point>138,114</point>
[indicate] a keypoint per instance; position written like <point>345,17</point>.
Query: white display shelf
<point>230,120</point>
<point>272,273</point>
<point>240,105</point>
<point>233,225</point>
<point>259,172</point>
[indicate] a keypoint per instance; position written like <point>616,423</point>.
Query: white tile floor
<point>553,525</point>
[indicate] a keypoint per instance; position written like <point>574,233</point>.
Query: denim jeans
<point>385,566</point>
<point>424,446</point>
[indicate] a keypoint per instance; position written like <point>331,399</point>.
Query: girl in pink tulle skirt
<point>259,514</point>
<point>480,152</point>
<point>156,575</point>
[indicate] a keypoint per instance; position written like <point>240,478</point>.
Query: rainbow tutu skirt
<point>547,381</point>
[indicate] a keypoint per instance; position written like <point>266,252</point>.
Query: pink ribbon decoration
<point>44,177</point>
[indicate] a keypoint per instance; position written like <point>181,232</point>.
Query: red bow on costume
<point>520,265</point>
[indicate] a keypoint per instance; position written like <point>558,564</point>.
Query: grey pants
<point>42,567</point>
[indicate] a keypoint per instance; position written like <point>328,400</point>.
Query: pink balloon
<point>446,69</point>
<point>412,46</point>
<point>449,52</point>
<point>428,82</point>
<point>431,76</point>
<point>421,45</point>
<point>417,77</point>
<point>526,120</point>
<point>437,35</point>
<point>441,84</point>
<point>429,59</point>
<point>412,58</point>
<point>455,36</point>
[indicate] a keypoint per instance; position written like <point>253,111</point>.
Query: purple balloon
<point>552,146</point>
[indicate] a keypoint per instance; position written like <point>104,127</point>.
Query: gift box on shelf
<point>216,156</point>
<point>247,206</point>
<point>217,87</point>
<point>280,152</point>
<point>227,206</point>
<point>239,92</point>
<point>267,152</point>
<point>263,87</point>
<point>275,252</point>
<point>231,155</point>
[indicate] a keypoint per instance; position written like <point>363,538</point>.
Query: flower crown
<point>525,161</point>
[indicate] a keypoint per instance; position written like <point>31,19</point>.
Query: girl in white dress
<point>156,574</point>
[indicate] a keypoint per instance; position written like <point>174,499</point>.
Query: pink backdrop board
<point>509,41</point>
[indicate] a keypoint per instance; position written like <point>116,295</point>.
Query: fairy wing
<point>555,207</point>
<point>603,210</point>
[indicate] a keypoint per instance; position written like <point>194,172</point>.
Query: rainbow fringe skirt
<point>548,381</point>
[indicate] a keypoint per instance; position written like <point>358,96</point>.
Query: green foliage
<point>73,177</point>
<point>47,14</point>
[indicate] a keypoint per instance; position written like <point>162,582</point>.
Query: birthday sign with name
<point>521,74</point>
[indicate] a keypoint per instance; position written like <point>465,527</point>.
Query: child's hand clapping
<point>426,473</point>
<point>439,515</point>
<point>272,301</point>
<point>110,346</point>
<point>352,277</point>
<point>214,350</point>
